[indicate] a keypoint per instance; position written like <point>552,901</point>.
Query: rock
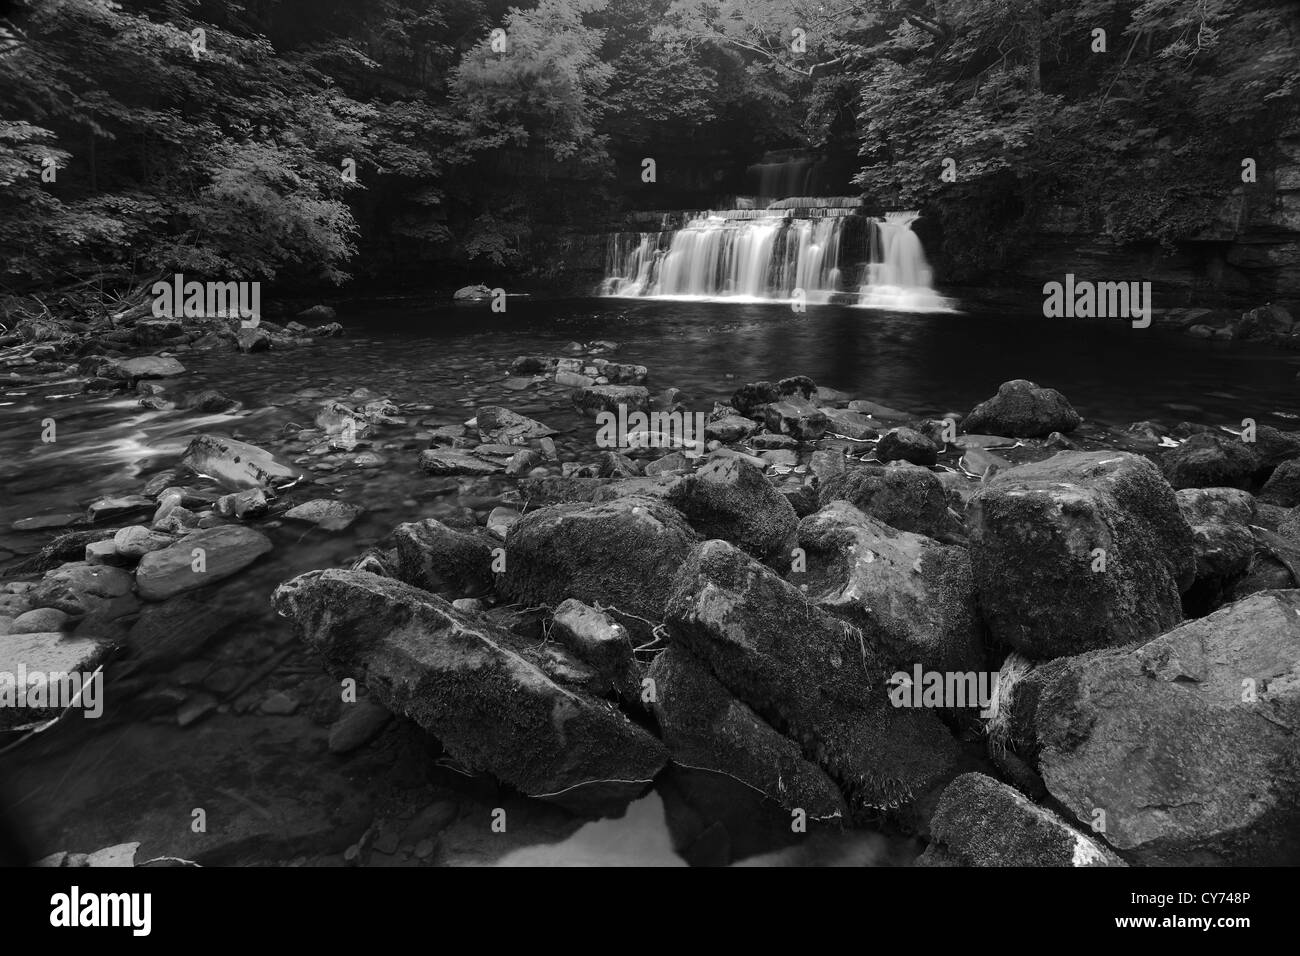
<point>500,425</point>
<point>500,521</point>
<point>798,418</point>
<point>279,704</point>
<point>446,461</point>
<point>330,330</point>
<point>523,461</point>
<point>225,550</point>
<point>104,552</point>
<point>43,620</point>
<point>850,424</point>
<point>913,597</point>
<point>750,400</point>
<point>770,442</point>
<point>882,412</point>
<point>672,462</point>
<point>241,504</point>
<point>1186,742</point>
<point>614,465</point>
<point>48,654</point>
<point>470,685</point>
<point>315,313</point>
<point>707,728</point>
<point>472,293</point>
<point>326,514</point>
<point>797,386</point>
<point>1210,460</point>
<point>107,509</point>
<point>608,398</point>
<point>826,463</point>
<point>621,555</point>
<point>731,499</point>
<point>1023,409</point>
<point>731,428</point>
<point>573,379</point>
<point>210,402</point>
<point>595,637</point>
<point>909,499</point>
<point>531,365</point>
<point>131,370</point>
<point>252,340</point>
<point>1224,544</point>
<point>1272,447</point>
<point>441,560</point>
<point>236,465</point>
<point>1283,486</point>
<point>906,444</point>
<point>360,723</point>
<point>830,397</point>
<point>810,676</point>
<point>117,856</point>
<point>154,332</point>
<point>80,589</point>
<point>981,822</point>
<point>1035,534</point>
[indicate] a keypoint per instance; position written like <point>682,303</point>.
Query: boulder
<point>621,555</point>
<point>326,514</point>
<point>913,598</point>
<point>1023,409</point>
<point>252,340</point>
<point>796,417</point>
<point>500,425</point>
<point>236,465</point>
<point>1210,460</point>
<point>1083,550</point>
<point>982,822</point>
<point>608,398</point>
<point>750,400</point>
<point>810,676</point>
<point>730,428</point>
<point>706,728</point>
<point>225,550</point>
<point>850,424</point>
<point>135,541</point>
<point>1283,486</point>
<point>729,498</point>
<point>906,498</point>
<point>906,444</point>
<point>81,589</point>
<point>444,561</point>
<point>1187,742</point>
<point>1220,519</point>
<point>594,637</point>
<point>471,685</point>
<point>442,461</point>
<point>132,370</point>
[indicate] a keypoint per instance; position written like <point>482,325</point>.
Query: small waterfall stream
<point>820,253</point>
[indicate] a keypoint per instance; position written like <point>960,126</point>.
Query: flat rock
<point>446,461</point>
<point>226,550</point>
<point>236,465</point>
<point>326,514</point>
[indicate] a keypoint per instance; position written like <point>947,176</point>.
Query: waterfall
<point>898,275</point>
<point>765,255</point>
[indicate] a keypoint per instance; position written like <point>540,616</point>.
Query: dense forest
<point>412,142</point>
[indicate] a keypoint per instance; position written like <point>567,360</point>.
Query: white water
<point>772,256</point>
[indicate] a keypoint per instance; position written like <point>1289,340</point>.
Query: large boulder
<point>707,728</point>
<point>1083,550</point>
<point>473,686</point>
<point>907,444</point>
<point>1283,486</point>
<point>432,556</point>
<point>731,499</point>
<point>982,822</point>
<point>912,596</point>
<point>621,554</point>
<point>198,559</point>
<point>1187,743</point>
<point>907,498</point>
<point>1023,409</point>
<point>809,675</point>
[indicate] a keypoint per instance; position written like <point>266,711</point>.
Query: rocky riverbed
<point>574,625</point>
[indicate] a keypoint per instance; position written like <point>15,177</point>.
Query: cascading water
<point>898,276</point>
<point>774,255</point>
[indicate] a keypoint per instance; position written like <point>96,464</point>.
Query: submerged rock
<point>1024,410</point>
<point>1186,742</point>
<point>326,514</point>
<point>707,728</point>
<point>467,683</point>
<point>132,370</point>
<point>500,425</point>
<point>981,822</point>
<point>1083,550</point>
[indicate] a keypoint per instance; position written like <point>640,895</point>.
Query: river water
<point>268,787</point>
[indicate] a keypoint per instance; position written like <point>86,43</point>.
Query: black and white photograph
<point>447,434</point>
